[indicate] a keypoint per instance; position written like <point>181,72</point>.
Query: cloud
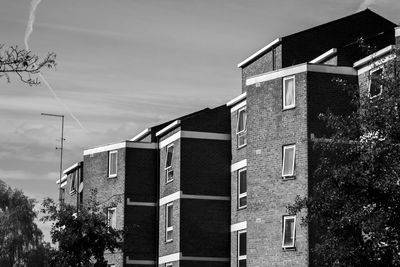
<point>25,175</point>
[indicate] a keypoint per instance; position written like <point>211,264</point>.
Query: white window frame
<point>285,107</point>
<point>241,195</point>
<point>112,224</point>
<point>169,169</point>
<point>241,257</point>
<point>380,67</point>
<point>169,264</point>
<point>285,218</point>
<point>169,228</point>
<point>286,147</point>
<point>112,175</point>
<point>244,131</point>
<point>73,187</point>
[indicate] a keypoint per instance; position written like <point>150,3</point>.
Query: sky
<point>125,65</point>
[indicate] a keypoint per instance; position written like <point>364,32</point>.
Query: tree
<point>18,232</point>
<point>23,63</point>
<point>353,205</point>
<point>81,236</point>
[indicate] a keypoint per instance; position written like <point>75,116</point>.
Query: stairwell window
<point>375,84</point>
<point>288,161</point>
<point>169,226</point>
<point>242,188</point>
<point>289,92</point>
<point>242,248</point>
<point>112,217</point>
<point>288,231</point>
<point>112,163</point>
<point>169,172</point>
<point>241,127</point>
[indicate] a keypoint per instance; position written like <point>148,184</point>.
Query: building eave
<point>141,135</point>
<point>324,56</point>
<point>260,52</point>
<point>371,57</point>
<point>168,127</point>
<point>237,99</point>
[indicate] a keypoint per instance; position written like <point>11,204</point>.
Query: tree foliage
<point>23,63</point>
<point>353,207</point>
<point>19,235</point>
<point>82,236</point>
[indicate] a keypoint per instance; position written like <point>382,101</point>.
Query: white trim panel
<point>124,144</point>
<point>170,198</point>
<point>299,69</point>
<point>379,53</point>
<point>140,262</point>
<point>237,99</point>
<point>238,165</point>
<point>324,56</point>
<point>239,106</point>
<point>169,258</point>
<point>144,204</point>
<point>259,52</point>
<point>178,256</point>
<point>141,135</point>
<point>239,226</point>
<point>168,127</point>
<point>194,135</point>
<point>181,195</point>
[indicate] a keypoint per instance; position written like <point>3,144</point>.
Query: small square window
<point>242,248</point>
<point>169,226</point>
<point>289,231</point>
<point>169,172</point>
<point>242,188</point>
<point>112,163</point>
<point>241,127</point>
<point>289,92</point>
<point>375,84</point>
<point>112,217</point>
<point>288,162</point>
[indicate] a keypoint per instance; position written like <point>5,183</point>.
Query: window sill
<point>289,249</point>
<point>169,241</point>
<point>169,181</point>
<point>288,178</point>
<point>112,176</point>
<point>242,146</point>
<point>242,208</point>
<point>288,108</point>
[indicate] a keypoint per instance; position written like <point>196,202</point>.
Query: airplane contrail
<point>28,32</point>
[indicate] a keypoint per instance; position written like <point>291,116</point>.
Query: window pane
<point>243,182</point>
<point>242,201</point>
<point>169,215</point>
<point>170,152</point>
<point>169,235</point>
<point>289,92</point>
<point>242,120</point>
<point>242,263</point>
<point>289,232</point>
<point>113,163</point>
<point>242,244</point>
<point>375,86</point>
<point>288,161</point>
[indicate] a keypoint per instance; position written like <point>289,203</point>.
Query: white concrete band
<point>124,144</point>
<point>259,52</point>
<point>139,262</point>
<point>140,135</point>
<point>194,135</point>
<point>238,165</point>
<point>236,99</point>
<point>324,56</point>
<point>178,256</point>
<point>239,106</point>
<point>181,195</point>
<point>239,226</point>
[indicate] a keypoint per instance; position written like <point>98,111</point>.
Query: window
<point>72,189</point>
<point>110,265</point>
<point>289,154</point>
<point>242,248</point>
<point>112,163</point>
<point>289,231</point>
<point>375,85</point>
<point>242,188</point>
<point>112,217</point>
<point>169,172</point>
<point>288,92</point>
<point>169,226</point>
<point>241,127</point>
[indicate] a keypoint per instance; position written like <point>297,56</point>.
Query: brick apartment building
<point>211,188</point>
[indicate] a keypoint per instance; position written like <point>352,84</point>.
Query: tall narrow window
<point>375,84</point>
<point>289,231</point>
<point>112,163</point>
<point>289,155</point>
<point>242,188</point>
<point>241,127</point>
<point>169,226</point>
<point>112,217</point>
<point>72,189</point>
<point>289,92</point>
<point>242,248</point>
<point>169,172</point>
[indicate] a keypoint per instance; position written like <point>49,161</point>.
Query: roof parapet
<point>324,56</point>
<point>168,127</point>
<point>261,51</point>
